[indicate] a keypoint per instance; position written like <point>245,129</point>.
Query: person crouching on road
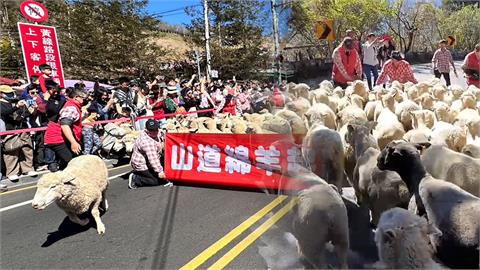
<point>396,69</point>
<point>64,136</point>
<point>145,161</point>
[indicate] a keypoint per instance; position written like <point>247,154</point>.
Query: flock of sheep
<point>411,153</point>
<point>411,146</point>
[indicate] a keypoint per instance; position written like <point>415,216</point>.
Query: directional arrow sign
<point>451,40</point>
<point>324,30</point>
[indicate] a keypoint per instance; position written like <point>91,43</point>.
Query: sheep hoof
<point>101,228</point>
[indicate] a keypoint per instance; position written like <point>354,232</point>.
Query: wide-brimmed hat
<point>6,89</point>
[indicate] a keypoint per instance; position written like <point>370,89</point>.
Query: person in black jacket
<point>18,148</point>
<point>54,103</point>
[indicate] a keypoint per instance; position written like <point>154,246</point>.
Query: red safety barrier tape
<point>18,131</point>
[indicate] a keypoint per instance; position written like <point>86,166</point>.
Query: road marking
<point>29,201</point>
<point>33,184</point>
<point>229,237</point>
<point>240,247</point>
<point>15,205</point>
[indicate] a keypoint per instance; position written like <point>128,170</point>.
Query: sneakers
<point>32,173</point>
<point>131,183</point>
<point>42,168</point>
<point>13,178</point>
<point>168,184</point>
<point>3,187</point>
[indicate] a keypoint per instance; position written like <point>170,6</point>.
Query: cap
<point>396,55</point>
<point>152,125</point>
<point>6,89</point>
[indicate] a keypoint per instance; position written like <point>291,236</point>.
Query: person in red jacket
<point>471,66</point>
<point>278,99</point>
<point>64,136</point>
<point>347,66</point>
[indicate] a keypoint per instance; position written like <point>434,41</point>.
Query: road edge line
<point>249,239</point>
<point>230,236</point>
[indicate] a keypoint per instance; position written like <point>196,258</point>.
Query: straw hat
<point>6,89</point>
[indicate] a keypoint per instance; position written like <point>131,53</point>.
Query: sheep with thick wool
<point>76,190</point>
<point>404,241</point>
<point>319,217</point>
<point>457,214</point>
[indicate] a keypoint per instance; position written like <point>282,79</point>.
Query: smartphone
<point>31,102</point>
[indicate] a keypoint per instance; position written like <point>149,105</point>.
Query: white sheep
<point>388,128</point>
<point>403,109</point>
<point>323,152</point>
<point>295,121</point>
<point>350,114</point>
<point>76,190</point>
<point>322,114</point>
<point>449,135</point>
<point>319,217</point>
<point>404,241</point>
<point>457,214</point>
<point>457,168</point>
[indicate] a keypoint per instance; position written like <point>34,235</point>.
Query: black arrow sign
<point>326,31</point>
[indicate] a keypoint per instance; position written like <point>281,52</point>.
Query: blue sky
<point>174,17</point>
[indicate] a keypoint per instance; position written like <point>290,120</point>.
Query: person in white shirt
<point>370,60</point>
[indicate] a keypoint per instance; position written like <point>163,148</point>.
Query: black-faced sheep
<point>76,190</point>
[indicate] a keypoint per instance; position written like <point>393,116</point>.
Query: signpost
<point>40,46</point>
<point>39,42</point>
<point>34,11</point>
<point>451,40</point>
<point>324,30</point>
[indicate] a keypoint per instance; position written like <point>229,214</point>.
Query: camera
<point>31,102</point>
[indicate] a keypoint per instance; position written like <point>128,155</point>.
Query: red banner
<point>240,160</point>
<point>40,46</point>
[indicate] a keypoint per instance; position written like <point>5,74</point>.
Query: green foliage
<point>97,37</point>
<point>235,35</point>
<point>464,24</point>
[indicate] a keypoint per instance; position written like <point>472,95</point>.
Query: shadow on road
<point>68,228</point>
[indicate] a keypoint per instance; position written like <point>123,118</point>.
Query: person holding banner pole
<point>145,161</point>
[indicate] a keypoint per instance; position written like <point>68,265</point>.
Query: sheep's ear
<point>69,179</point>
<point>350,128</point>
<point>433,230</point>
<point>389,235</point>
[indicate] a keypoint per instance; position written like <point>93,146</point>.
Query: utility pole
<point>207,37</point>
<point>275,40</point>
<point>197,58</point>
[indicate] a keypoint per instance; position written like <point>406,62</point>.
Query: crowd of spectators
<point>43,103</point>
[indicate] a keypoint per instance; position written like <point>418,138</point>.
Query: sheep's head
<point>52,187</point>
<point>361,134</point>
<point>400,156</point>
<point>399,228</point>
<point>471,150</point>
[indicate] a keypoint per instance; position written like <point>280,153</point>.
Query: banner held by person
<point>237,160</point>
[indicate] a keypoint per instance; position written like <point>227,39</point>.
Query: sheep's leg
<point>341,244</point>
<point>75,219</point>
<point>104,202</point>
<point>96,216</point>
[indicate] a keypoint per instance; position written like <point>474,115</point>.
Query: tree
<point>97,37</point>
<point>464,25</point>
<point>236,36</point>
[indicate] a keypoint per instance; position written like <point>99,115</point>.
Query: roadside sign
<point>450,40</point>
<point>324,30</point>
<point>40,46</point>
<point>34,11</point>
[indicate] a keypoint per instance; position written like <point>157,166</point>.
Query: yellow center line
<point>229,237</point>
<point>34,184</point>
<point>240,247</point>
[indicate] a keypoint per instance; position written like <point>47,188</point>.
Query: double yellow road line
<point>247,241</point>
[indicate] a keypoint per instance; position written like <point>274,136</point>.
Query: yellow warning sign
<point>324,30</point>
<point>451,40</point>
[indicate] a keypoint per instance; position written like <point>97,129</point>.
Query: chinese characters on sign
<point>234,160</point>
<point>40,46</point>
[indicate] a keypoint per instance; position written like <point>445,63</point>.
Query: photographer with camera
<point>17,148</point>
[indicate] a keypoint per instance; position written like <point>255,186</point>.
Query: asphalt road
<point>152,227</point>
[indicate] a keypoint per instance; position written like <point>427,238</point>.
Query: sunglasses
<point>33,92</point>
